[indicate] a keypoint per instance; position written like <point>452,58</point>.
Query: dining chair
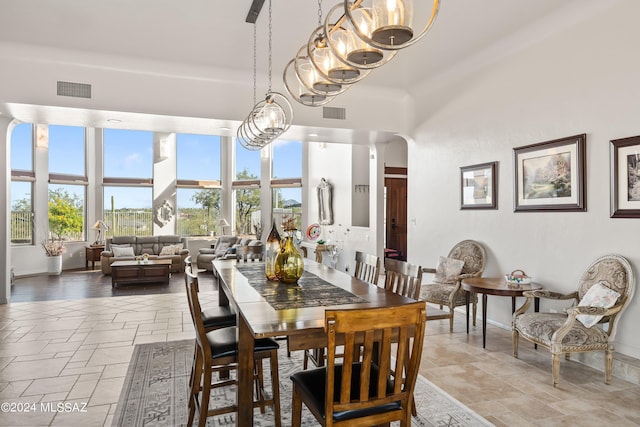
<point>604,290</point>
<point>216,352</point>
<point>375,381</point>
<point>402,278</point>
<point>367,267</point>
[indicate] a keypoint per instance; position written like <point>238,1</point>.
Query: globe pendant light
<point>299,91</point>
<point>269,118</point>
<point>392,21</point>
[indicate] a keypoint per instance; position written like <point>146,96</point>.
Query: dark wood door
<point>396,210</point>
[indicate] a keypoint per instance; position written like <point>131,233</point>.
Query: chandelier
<point>355,38</point>
<point>268,118</point>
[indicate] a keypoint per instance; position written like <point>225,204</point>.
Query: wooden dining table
<point>302,325</point>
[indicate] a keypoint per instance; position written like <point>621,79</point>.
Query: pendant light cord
<point>270,49</point>
<point>254,63</point>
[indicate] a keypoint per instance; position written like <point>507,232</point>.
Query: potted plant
<point>54,248</point>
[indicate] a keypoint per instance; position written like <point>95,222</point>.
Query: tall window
<point>246,192</point>
<point>286,181</point>
<point>67,182</point>
<point>198,182</point>
<point>22,179</point>
<point>128,172</point>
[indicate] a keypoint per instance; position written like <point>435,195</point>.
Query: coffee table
<point>132,272</point>
<point>495,286</point>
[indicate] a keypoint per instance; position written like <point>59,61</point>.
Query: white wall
<point>582,80</point>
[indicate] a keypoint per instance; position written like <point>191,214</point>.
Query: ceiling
<point>213,34</point>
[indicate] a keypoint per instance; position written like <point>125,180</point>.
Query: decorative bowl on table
<point>517,278</point>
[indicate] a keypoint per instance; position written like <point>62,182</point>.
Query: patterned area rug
<point>310,291</point>
<point>156,387</point>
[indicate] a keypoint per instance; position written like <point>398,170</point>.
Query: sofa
<point>127,248</point>
<point>229,247</point>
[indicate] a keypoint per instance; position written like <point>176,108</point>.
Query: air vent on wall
<point>77,90</point>
<point>334,113</point>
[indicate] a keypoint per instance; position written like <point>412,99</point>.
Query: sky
<point>129,154</point>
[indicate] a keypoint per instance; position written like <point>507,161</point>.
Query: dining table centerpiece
<point>289,264</point>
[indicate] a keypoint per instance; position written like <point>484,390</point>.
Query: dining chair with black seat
<point>375,381</point>
<point>402,278</point>
<point>217,351</point>
<point>367,267</point>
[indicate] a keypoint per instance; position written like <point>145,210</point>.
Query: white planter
<point>55,264</point>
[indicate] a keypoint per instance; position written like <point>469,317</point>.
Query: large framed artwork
<point>550,176</point>
<point>478,186</point>
<point>625,177</point>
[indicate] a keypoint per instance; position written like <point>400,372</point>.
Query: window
<point>66,212</point>
<point>247,202</point>
<point>127,211</point>
<point>198,181</point>
<point>22,179</point>
<point>128,192</point>
<point>67,182</point>
<point>286,181</point>
<point>128,154</point>
<point>247,164</point>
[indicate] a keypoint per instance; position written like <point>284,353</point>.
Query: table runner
<point>310,291</point>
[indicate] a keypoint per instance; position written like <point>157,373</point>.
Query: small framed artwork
<point>478,186</point>
<point>625,177</point>
<point>550,176</point>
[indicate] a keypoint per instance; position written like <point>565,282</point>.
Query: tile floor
<point>76,352</point>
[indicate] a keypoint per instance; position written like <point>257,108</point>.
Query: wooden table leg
<point>245,374</point>
<point>466,300</point>
<point>484,320</point>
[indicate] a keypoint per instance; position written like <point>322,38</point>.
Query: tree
<point>209,199</point>
<point>65,214</point>
<point>247,201</point>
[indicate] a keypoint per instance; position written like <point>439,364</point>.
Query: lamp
<point>223,223</point>
<point>269,118</point>
<point>357,36</point>
<point>100,226</point>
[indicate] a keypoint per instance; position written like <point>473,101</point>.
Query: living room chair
<point>375,382</point>
<point>217,351</point>
<point>367,267</point>
<point>466,259</point>
<point>402,278</point>
<point>605,289</point>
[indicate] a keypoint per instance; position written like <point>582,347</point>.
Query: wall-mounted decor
<point>164,213</point>
<point>550,176</point>
<point>478,186</point>
<point>325,208</point>
<point>625,177</point>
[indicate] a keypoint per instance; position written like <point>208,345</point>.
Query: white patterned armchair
<point>604,291</point>
<point>446,289</point>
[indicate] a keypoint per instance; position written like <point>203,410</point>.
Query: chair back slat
<point>372,338</point>
<point>403,278</point>
<point>367,267</point>
<point>191,282</point>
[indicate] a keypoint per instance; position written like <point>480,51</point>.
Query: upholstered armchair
<point>466,259</point>
<point>604,291</point>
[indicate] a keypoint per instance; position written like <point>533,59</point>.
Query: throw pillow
<point>177,248</point>
<point>598,295</point>
<point>123,252</point>
<point>447,270</point>
<point>125,245</point>
<point>168,250</point>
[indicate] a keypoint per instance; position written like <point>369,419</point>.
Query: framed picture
<point>625,177</point>
<point>478,186</point>
<point>550,176</point>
